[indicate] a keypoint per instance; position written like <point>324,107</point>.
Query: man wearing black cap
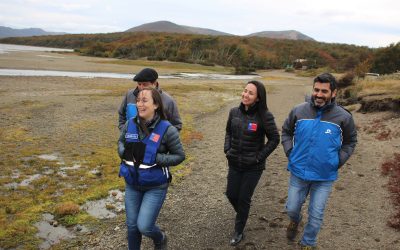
<point>147,77</point>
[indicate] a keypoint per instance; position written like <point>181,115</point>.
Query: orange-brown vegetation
<point>66,208</point>
<point>245,54</point>
<point>391,168</point>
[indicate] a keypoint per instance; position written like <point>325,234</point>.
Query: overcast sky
<point>373,23</point>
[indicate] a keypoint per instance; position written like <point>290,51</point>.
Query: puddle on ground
<point>74,167</point>
<point>24,183</point>
<point>96,172</point>
<point>48,171</point>
<point>106,208</point>
<point>28,181</point>
<point>12,185</point>
<point>48,157</point>
<point>15,174</point>
<point>62,173</point>
<point>50,234</point>
<point>52,157</point>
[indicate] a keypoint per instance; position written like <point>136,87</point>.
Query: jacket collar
<point>252,109</point>
<point>326,107</point>
<point>150,124</point>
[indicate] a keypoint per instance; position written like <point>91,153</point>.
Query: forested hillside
<point>245,54</point>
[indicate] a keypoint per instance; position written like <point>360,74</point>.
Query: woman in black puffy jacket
<point>246,150</point>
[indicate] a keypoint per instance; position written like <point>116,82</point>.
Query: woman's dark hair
<point>262,100</point>
<point>155,94</point>
<point>261,95</point>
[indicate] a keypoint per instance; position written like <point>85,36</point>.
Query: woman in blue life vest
<point>148,146</point>
<point>246,150</point>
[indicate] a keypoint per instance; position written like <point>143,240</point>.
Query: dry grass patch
<point>66,208</point>
<point>390,87</point>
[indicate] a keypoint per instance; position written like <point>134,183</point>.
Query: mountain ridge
<point>163,26</point>
<point>167,26</point>
<point>170,27</point>
<point>284,34</point>
<point>10,32</point>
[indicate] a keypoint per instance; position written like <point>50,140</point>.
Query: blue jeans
<point>142,209</point>
<point>319,193</point>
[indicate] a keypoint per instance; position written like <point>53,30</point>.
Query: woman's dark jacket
<point>245,146</point>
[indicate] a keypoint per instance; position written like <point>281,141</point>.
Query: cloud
<point>343,21</point>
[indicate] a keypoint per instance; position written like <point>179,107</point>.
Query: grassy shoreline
<point>75,119</point>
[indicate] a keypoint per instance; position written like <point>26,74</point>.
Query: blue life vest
<point>148,173</point>
<point>151,141</point>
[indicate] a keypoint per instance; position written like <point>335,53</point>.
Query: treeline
<point>387,60</point>
<point>245,54</point>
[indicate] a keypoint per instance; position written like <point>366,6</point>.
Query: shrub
<point>289,69</point>
<point>66,208</point>
<point>346,80</point>
<point>69,220</point>
<point>392,169</point>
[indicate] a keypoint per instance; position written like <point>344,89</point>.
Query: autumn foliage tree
<point>245,54</point>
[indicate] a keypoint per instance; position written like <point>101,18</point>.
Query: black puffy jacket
<point>245,146</point>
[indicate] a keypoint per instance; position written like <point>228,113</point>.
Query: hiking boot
<point>291,230</point>
<point>236,239</point>
<point>304,247</point>
<point>163,244</point>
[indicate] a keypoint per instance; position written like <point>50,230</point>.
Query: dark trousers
<point>239,190</point>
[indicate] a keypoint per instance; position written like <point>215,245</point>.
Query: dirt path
<point>197,215</point>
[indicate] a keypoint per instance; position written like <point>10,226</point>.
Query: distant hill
<point>170,27</point>
<point>162,26</point>
<point>10,32</point>
<point>286,34</point>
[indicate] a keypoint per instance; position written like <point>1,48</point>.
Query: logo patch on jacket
<point>154,137</point>
<point>131,136</point>
<point>252,126</point>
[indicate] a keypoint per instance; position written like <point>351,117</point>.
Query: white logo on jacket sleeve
<point>328,131</point>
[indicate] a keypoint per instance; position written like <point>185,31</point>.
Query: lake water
<point>27,72</point>
<point>6,48</point>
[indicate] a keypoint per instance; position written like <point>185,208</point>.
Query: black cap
<point>146,75</point>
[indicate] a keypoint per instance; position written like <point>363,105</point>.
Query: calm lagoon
<point>6,48</point>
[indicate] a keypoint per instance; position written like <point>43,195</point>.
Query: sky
<point>372,23</point>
